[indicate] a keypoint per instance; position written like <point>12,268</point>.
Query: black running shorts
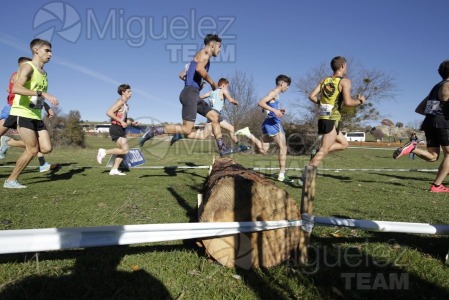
<point>437,137</point>
<point>33,124</point>
<point>325,126</point>
<point>192,104</point>
<point>116,132</point>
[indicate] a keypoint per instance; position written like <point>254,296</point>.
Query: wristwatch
<point>39,93</point>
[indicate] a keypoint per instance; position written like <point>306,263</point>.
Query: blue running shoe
<point>148,135</point>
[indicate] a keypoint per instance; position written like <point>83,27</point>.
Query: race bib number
<point>432,107</point>
<point>326,109</point>
<point>37,102</point>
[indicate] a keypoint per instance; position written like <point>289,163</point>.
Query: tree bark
<point>235,194</point>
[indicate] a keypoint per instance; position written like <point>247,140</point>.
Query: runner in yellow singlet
<point>330,94</point>
<point>30,88</point>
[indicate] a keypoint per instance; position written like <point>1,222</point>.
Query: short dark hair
<point>222,81</point>
<point>337,62</point>
<point>211,38</point>
<point>443,70</point>
<point>39,42</point>
<point>283,78</point>
<point>123,87</point>
<point>23,59</point>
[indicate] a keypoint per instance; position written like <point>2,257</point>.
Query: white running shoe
<point>101,154</point>
<point>244,131</point>
<point>48,167</point>
<point>4,146</point>
<point>116,172</point>
<point>13,184</point>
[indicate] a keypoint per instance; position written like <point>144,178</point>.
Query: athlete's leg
<point>201,134</point>
<point>225,125</point>
<point>120,152</point>
<point>186,128</point>
<point>213,116</point>
<point>45,146</point>
<point>340,143</point>
<point>326,143</point>
<point>431,154</point>
<point>3,129</point>
<point>279,139</point>
<point>263,145</point>
<point>443,169</point>
<point>29,137</point>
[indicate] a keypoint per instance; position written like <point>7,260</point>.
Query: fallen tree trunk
<point>235,194</point>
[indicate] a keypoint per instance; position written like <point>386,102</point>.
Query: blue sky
<point>99,44</point>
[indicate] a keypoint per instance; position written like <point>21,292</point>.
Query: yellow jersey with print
<point>31,106</point>
<point>331,100</point>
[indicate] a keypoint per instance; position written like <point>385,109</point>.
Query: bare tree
<point>375,85</point>
<point>242,88</point>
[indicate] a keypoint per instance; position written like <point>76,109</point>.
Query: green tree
<point>66,130</point>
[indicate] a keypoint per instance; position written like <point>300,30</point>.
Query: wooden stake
<point>199,199</point>
<point>307,199</point>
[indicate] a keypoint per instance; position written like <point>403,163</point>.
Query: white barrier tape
<point>47,239</point>
<point>382,170</point>
<point>373,148</point>
<point>34,240</point>
<point>264,169</point>
<point>172,167</point>
<point>356,170</point>
<point>384,226</point>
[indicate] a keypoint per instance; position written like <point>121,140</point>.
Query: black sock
<point>41,160</point>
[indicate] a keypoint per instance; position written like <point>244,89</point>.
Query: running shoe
<point>148,135</point>
<point>243,148</point>
<point>48,167</point>
<point>101,154</point>
<point>285,179</point>
<point>176,137</point>
<point>227,151</point>
<point>404,150</point>
<point>13,184</point>
<point>439,189</point>
<point>244,131</point>
<point>116,172</point>
<point>4,146</point>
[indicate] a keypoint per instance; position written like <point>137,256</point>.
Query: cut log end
<point>235,194</point>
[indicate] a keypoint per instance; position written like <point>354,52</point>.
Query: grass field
<point>344,263</point>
